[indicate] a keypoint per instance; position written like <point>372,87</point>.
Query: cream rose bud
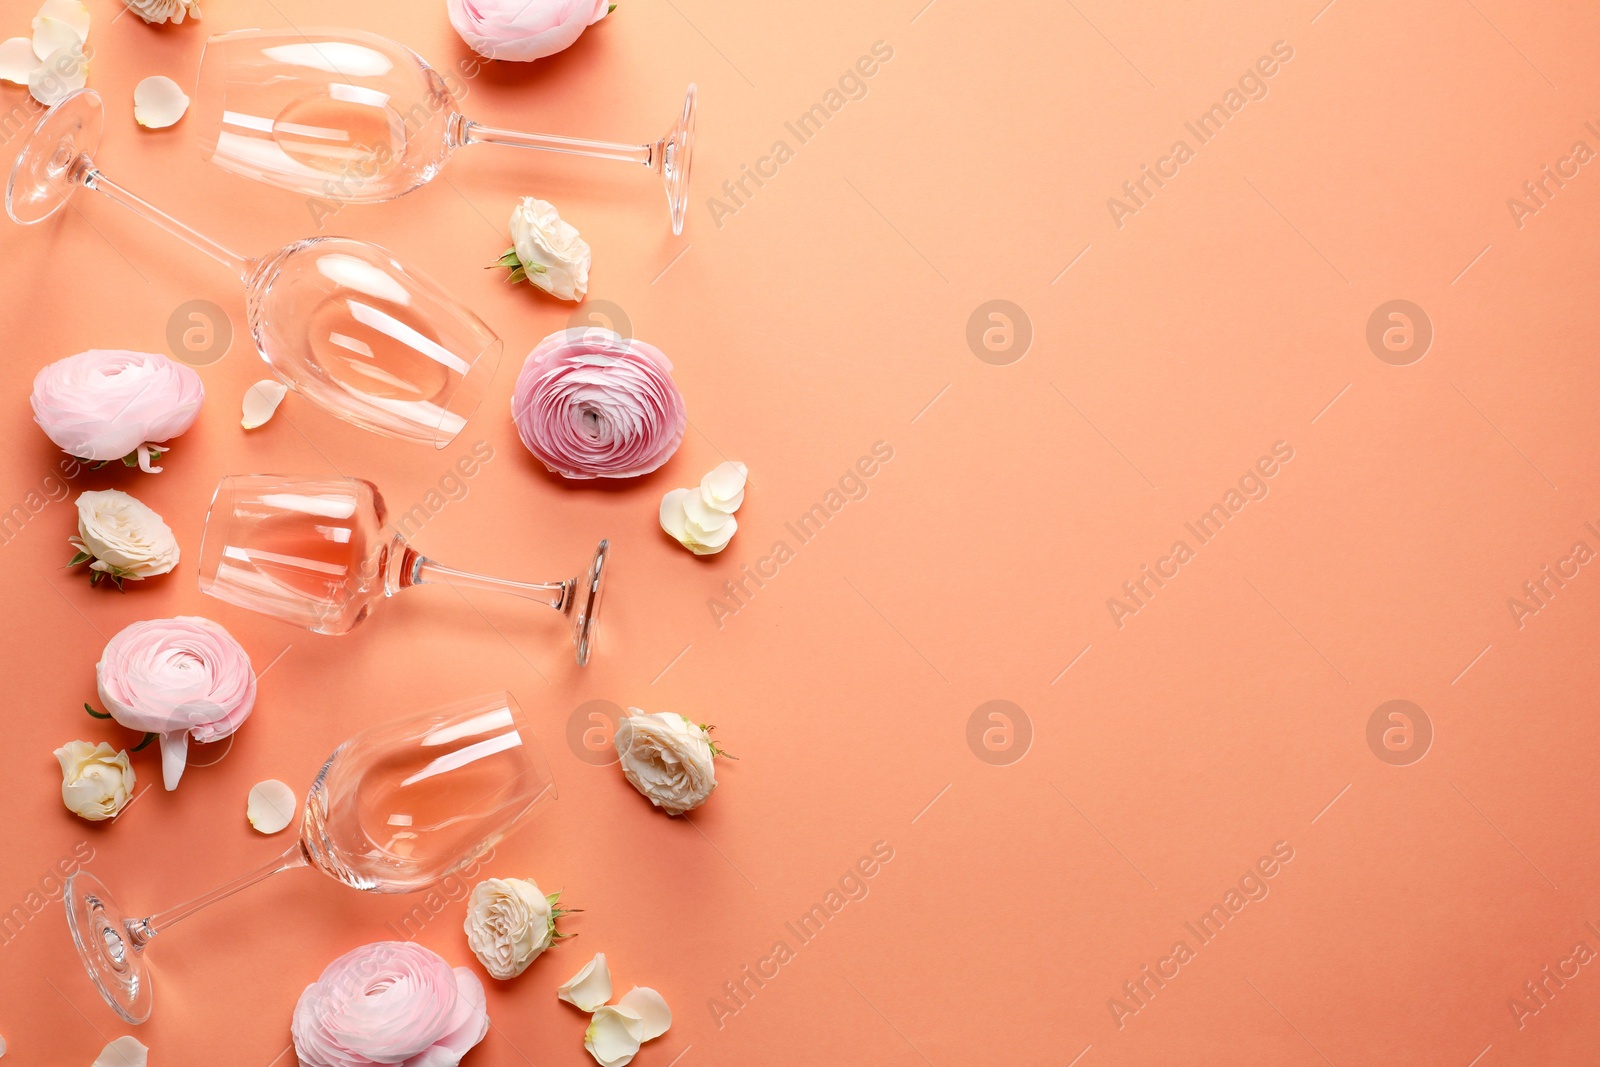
<point>130,539</point>
<point>548,250</point>
<point>509,923</point>
<point>667,758</point>
<point>96,780</point>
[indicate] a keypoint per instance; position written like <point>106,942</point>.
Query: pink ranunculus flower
<point>179,678</point>
<point>389,1003</point>
<point>591,403</point>
<point>524,29</point>
<point>106,404</point>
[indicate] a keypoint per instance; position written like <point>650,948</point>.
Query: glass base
<point>586,616</point>
<point>42,179</point>
<point>677,153</point>
<point>115,964</point>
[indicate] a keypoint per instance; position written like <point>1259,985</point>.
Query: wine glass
<point>353,117</point>
<point>339,321</point>
<point>397,808</point>
<point>320,552</point>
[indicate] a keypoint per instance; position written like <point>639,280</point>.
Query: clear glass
<point>341,322</point>
<point>397,808</point>
<point>352,117</point>
<point>321,553</point>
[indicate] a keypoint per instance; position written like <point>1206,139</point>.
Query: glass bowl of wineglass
<point>321,553</point>
<point>352,117</point>
<point>341,322</point>
<point>397,808</point>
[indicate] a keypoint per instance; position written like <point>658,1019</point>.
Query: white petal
<point>72,12</point>
<point>723,488</point>
<point>271,806</point>
<point>673,518</point>
<point>123,1052</point>
<point>709,542</point>
<point>261,400</point>
<point>52,35</point>
<point>651,1008</point>
<point>65,71</point>
<point>613,1036</point>
<point>706,518</point>
<point>158,102</point>
<point>17,60</point>
<point>590,987</point>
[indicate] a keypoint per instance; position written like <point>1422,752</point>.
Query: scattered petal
<point>158,102</point>
<point>651,1008</point>
<point>17,60</point>
<point>52,35</point>
<point>703,542</point>
<point>674,519</point>
<point>271,806</point>
<point>613,1036</point>
<point>72,12</point>
<point>261,400</point>
<point>64,72</point>
<point>123,1052</point>
<point>723,488</point>
<point>702,515</point>
<point>590,987</point>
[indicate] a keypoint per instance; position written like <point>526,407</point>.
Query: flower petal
<point>65,71</point>
<point>123,1052</point>
<point>614,1036</point>
<point>158,102</point>
<point>51,35</point>
<point>17,60</point>
<point>674,520</point>
<point>703,515</point>
<point>723,488</point>
<point>72,12</point>
<point>261,402</point>
<point>270,806</point>
<point>651,1007</point>
<point>590,987</point>
<point>703,542</point>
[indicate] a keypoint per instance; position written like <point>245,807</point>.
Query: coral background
<point>1146,762</point>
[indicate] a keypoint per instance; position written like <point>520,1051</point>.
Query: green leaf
<point>610,9</point>
<point>518,275</point>
<point>79,557</point>
<point>96,714</point>
<point>131,459</point>
<point>143,744</point>
<point>537,268</point>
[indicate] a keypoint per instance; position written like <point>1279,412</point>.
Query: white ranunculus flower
<point>509,923</point>
<point>164,10</point>
<point>547,250</point>
<point>668,759</point>
<point>96,780</point>
<point>124,537</point>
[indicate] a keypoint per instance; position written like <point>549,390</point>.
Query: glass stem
<point>558,595</point>
<point>141,931</point>
<point>468,132</point>
<point>90,178</point>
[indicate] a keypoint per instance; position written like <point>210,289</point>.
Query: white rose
<point>164,10</point>
<point>129,539</point>
<point>549,251</point>
<point>668,759</point>
<point>509,923</point>
<point>96,780</point>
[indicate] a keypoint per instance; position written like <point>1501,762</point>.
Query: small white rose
<point>651,1008</point>
<point>123,1052</point>
<point>96,780</point>
<point>261,402</point>
<point>613,1036</point>
<point>723,488</point>
<point>668,759</point>
<point>509,923</point>
<point>547,251</point>
<point>130,540</point>
<point>158,102</point>
<point>270,806</point>
<point>174,11</point>
<point>702,530</point>
<point>590,987</point>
